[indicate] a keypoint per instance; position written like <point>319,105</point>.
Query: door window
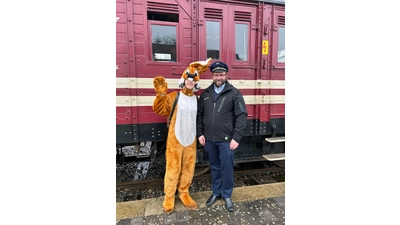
<point>281,44</point>
<point>242,40</point>
<point>213,39</point>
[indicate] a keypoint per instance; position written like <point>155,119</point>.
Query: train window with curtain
<point>163,36</point>
<point>213,39</point>
<point>281,44</point>
<point>242,42</point>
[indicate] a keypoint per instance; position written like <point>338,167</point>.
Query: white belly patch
<point>185,125</point>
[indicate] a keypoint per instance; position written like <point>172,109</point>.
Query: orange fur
<point>180,160</point>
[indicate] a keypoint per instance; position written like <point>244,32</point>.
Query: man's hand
<point>233,145</point>
<point>202,140</point>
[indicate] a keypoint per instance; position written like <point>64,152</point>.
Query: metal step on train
<point>277,156</point>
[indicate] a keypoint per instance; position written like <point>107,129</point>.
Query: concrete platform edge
<point>147,207</point>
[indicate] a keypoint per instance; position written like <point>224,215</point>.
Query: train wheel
<point>199,170</point>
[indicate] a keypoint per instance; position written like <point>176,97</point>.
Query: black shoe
<point>229,204</point>
<point>212,200</point>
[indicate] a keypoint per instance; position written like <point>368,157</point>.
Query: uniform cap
<point>218,67</point>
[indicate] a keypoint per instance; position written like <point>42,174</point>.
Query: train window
<point>213,41</point>
<point>163,43</point>
<point>281,44</point>
<point>242,38</point>
<point>163,36</point>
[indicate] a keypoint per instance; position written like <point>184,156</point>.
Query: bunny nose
<point>191,75</point>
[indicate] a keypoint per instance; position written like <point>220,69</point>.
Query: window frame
<point>149,56</point>
<point>275,40</point>
<point>219,21</point>
<point>236,62</point>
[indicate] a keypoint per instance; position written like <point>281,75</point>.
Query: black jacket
<point>224,118</point>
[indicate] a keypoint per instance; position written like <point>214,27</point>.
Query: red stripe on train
<point>151,92</point>
<point>145,114</point>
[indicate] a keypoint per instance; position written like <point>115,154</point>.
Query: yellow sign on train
<point>265,47</point>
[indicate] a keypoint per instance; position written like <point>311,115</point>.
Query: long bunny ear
<point>193,71</point>
<point>201,66</point>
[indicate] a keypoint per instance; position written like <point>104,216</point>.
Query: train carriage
<point>161,38</point>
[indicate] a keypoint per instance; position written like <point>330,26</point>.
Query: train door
<point>271,108</point>
<point>228,32</point>
<point>277,70</point>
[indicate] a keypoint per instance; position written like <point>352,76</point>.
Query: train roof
<point>281,2</point>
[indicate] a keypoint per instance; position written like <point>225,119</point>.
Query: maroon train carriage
<point>161,38</point>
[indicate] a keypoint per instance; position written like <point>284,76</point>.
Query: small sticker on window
<point>162,56</point>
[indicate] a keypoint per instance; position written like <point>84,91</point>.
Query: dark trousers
<point>221,163</point>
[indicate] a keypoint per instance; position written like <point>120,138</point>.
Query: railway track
<point>160,182</point>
